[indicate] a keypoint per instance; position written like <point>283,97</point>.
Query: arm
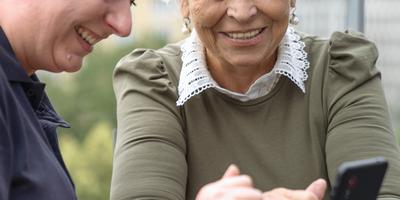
<point>359,124</point>
<point>149,160</point>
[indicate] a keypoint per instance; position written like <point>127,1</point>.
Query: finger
<point>242,193</point>
<point>301,195</point>
<point>278,193</point>
<point>283,193</point>
<point>318,187</point>
<point>236,181</point>
<point>215,191</point>
<point>269,195</point>
<point>232,170</point>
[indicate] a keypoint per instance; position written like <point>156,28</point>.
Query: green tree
<point>90,161</point>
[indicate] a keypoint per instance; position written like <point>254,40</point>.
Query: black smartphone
<point>359,180</point>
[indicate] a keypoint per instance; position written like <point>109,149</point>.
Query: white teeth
<point>89,39</point>
<point>242,36</point>
<point>235,35</point>
<point>84,34</point>
<point>92,41</point>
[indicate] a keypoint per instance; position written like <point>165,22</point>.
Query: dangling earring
<point>294,20</point>
<point>186,30</point>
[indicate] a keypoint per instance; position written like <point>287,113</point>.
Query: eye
<point>133,2</point>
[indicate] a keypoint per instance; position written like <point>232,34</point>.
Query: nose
<point>119,19</point>
<point>242,10</point>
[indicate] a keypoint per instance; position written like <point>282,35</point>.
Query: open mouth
<point>244,36</point>
<point>87,36</point>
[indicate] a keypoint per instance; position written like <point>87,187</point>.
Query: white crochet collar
<point>195,77</point>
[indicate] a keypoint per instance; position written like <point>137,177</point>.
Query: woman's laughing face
<point>239,32</point>
<point>66,30</point>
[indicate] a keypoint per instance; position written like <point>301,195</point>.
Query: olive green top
<point>284,139</point>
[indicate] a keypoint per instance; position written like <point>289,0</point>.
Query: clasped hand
<point>233,185</point>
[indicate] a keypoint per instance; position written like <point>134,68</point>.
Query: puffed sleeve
<point>359,124</point>
<point>149,159</point>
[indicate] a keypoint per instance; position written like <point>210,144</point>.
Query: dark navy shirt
<point>31,166</point>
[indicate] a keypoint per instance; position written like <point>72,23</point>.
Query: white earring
<point>294,20</point>
<point>186,30</point>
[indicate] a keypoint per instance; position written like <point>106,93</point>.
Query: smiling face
<point>239,32</point>
<point>55,35</point>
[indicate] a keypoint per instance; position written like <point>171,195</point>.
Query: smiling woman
<point>246,91</point>
<point>243,59</point>
<point>44,35</point>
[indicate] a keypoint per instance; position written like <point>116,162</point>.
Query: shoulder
<point>340,43</point>
<point>350,54</point>
<point>148,62</point>
<point>341,46</point>
<point>149,73</point>
<point>342,65</point>
<point>351,51</point>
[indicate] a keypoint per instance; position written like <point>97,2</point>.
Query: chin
<point>245,61</point>
<point>73,68</point>
<point>70,65</point>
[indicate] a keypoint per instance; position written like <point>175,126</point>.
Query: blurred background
<point>86,99</point>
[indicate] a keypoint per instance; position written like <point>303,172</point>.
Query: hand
<point>315,191</point>
<point>232,185</point>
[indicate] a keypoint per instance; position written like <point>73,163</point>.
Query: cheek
<point>275,9</point>
<point>206,13</point>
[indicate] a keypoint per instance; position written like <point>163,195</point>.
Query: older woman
<point>44,35</point>
<point>285,107</point>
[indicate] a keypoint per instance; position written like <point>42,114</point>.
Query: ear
<point>292,3</point>
<point>184,6</point>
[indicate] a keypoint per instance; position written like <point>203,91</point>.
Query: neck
<point>13,24</point>
<point>238,78</point>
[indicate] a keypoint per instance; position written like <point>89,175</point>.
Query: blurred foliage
<point>90,162</point>
<point>86,100</point>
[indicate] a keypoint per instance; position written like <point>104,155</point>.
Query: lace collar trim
<point>195,77</point>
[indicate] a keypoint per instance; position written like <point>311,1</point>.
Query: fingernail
<point>232,166</point>
<point>321,179</point>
